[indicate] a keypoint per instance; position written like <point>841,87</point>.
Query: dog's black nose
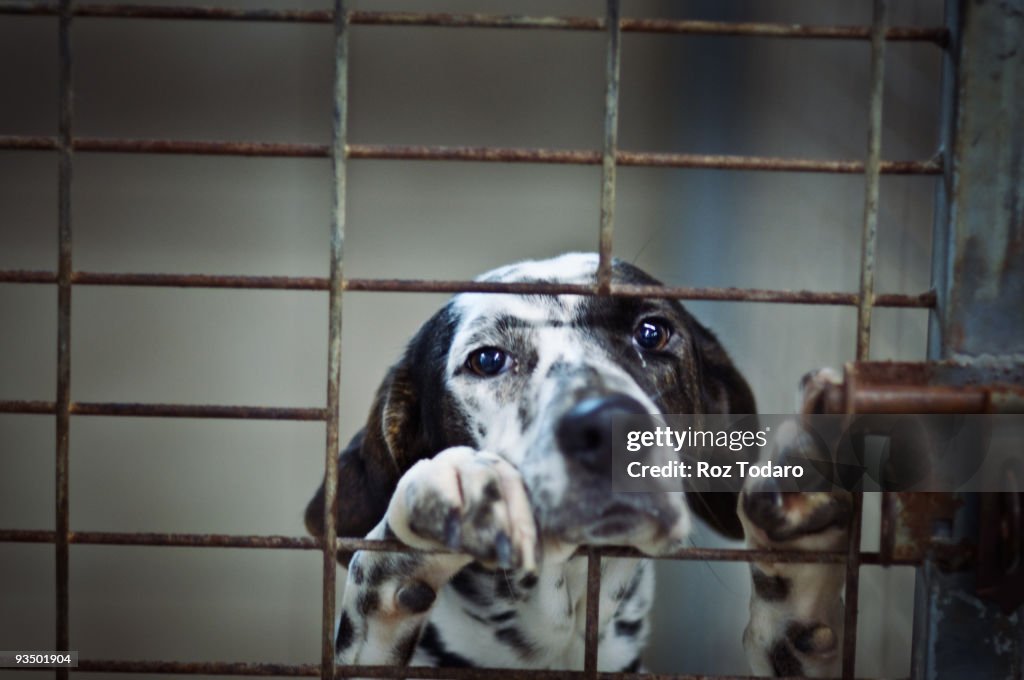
<point>584,434</point>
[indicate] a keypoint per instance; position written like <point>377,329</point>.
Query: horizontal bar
<point>79,408</point>
<point>649,159</point>
<point>200,281</point>
<point>483,154</point>
<point>938,35</point>
<point>349,545</point>
<point>243,668</point>
<point>313,670</point>
<point>961,399</point>
<point>919,300</point>
<point>164,539</point>
<point>238,668</point>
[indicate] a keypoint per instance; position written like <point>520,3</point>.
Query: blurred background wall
<point>237,81</point>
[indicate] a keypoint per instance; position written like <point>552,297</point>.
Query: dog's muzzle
<point>584,433</point>
<point>591,512</point>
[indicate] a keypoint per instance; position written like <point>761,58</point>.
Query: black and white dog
<point>491,437</point>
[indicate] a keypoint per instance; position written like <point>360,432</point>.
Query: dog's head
<point>538,380</point>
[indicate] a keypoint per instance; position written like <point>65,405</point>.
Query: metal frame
<point>609,157</point>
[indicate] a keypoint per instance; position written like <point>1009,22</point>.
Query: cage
<point>540,141</point>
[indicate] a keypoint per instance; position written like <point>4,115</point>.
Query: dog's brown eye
<point>488,361</point>
<point>652,334</point>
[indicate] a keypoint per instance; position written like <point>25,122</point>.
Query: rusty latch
<point>916,526</point>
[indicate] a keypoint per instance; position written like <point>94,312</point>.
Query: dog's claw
<point>453,530</point>
<point>503,550</point>
<point>416,597</point>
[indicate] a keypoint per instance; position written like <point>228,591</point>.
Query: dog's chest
<point>490,619</point>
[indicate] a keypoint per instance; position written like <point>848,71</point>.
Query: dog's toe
<point>467,501</point>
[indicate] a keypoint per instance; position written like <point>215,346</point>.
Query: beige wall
<point>248,216</point>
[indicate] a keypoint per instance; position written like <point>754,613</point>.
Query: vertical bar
<point>871,172</point>
<point>593,612</point>
<point>887,539</point>
<point>865,301</point>
<point>63,402</point>
<point>977,269</point>
<point>611,137</point>
<point>340,134</point>
<point>977,273</point>
<point>604,278</point>
<point>852,589</point>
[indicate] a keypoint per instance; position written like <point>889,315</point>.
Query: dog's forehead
<point>567,268</point>
<point>479,310</point>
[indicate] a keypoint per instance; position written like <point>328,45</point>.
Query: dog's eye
<point>652,334</point>
<point>488,361</point>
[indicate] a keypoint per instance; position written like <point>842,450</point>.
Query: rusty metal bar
<point>919,300</point>
<point>938,35</point>
<point>613,61</point>
<point>852,593</point>
<point>349,545</point>
<point>79,408</point>
<point>887,537</point>
<point>865,299</point>
<point>164,539</point>
<point>237,668</point>
<point>198,411</point>
<point>590,640</point>
<point>917,399</point>
<point>337,255</point>
<point>29,407</point>
<point>312,670</point>
<point>484,154</point>
<point>633,159</point>
<point>64,268</point>
<point>262,669</point>
<point>201,281</point>
<point>203,147</point>
<point>925,387</point>
<point>869,232</point>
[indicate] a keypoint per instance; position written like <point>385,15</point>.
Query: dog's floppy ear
<point>368,469</point>
<point>397,434</point>
<point>723,390</point>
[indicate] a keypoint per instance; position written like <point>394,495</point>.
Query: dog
<point>490,440</point>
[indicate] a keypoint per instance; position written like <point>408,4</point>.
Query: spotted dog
<point>491,437</point>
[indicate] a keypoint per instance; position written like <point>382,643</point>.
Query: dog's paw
<point>469,501</point>
<point>777,517</point>
<point>796,610</point>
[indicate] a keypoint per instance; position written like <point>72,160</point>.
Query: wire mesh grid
<point>65,144</point>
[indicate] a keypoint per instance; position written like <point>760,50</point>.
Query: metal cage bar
<point>347,545</point>
<point>869,242</point>
<point>339,151</point>
<point>872,168</point>
<point>63,405</point>
<point>480,154</point>
<point>924,300</point>
<point>340,134</point>
<point>613,63</point>
<point>937,35</point>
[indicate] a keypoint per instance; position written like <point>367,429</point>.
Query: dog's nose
<point>584,433</point>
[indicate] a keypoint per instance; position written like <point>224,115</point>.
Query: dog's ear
<point>398,432</point>
<point>370,466</point>
<point>723,390</point>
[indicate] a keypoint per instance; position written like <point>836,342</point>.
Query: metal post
<point>872,169</point>
<point>609,157</point>
<point>330,536</point>
<point>62,409</point>
<point>978,274</point>
<point>865,302</point>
